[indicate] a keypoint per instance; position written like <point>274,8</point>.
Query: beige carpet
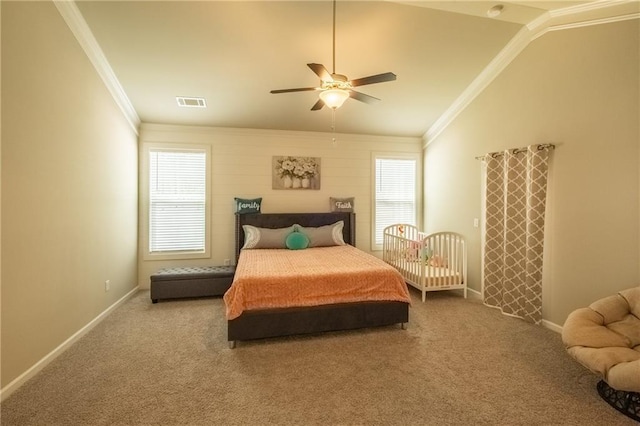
<point>169,364</point>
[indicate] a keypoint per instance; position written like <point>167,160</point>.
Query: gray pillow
<point>265,238</point>
<point>324,236</point>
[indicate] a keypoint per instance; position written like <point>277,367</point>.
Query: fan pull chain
<point>333,126</point>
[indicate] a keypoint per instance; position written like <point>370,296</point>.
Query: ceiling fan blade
<point>362,97</point>
<point>372,79</point>
<point>318,105</point>
<point>301,89</point>
<point>321,72</point>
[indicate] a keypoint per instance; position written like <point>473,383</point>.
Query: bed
<point>256,319</point>
<point>428,262</point>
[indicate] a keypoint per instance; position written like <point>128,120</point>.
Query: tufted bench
<point>605,338</point>
<point>194,281</point>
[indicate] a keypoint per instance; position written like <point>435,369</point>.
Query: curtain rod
<point>517,150</point>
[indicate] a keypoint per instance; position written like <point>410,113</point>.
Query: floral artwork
<point>296,172</point>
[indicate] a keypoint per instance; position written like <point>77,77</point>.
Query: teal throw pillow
<point>297,241</point>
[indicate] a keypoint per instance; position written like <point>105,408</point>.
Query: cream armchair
<point>605,338</point>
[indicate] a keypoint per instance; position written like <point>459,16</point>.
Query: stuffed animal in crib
<point>414,250</point>
<point>437,261</point>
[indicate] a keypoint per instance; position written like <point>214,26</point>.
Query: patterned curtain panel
<point>516,192</point>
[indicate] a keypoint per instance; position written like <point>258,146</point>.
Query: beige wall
<point>241,167</point>
<point>69,189</point>
<point>69,175</point>
<point>70,186</point>
<point>579,89</point>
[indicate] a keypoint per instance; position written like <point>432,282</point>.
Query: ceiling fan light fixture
<point>334,98</point>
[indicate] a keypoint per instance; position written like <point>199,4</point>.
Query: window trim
<point>418,188</point>
<point>145,202</point>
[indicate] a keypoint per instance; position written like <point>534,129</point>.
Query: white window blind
<point>177,198</point>
<point>395,193</point>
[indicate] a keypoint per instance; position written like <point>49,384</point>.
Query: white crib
<point>428,262</point>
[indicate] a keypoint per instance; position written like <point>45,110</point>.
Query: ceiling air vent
<point>186,102</point>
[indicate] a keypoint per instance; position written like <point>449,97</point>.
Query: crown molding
<point>600,21</point>
<point>75,21</point>
<point>488,74</point>
<point>574,17</point>
<point>589,7</point>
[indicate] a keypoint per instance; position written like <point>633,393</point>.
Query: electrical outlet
<point>107,285</point>
<point>227,262</point>
<point>476,222</point>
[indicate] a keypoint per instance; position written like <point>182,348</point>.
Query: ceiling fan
<point>336,88</point>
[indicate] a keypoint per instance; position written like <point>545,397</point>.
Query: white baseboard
<point>38,366</point>
<point>552,326</point>
<point>474,294</point>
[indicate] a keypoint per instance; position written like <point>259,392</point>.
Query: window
<point>177,214</point>
<point>396,193</point>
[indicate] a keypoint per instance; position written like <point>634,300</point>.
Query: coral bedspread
<point>280,278</point>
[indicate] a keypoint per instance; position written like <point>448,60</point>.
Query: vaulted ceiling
<point>232,53</point>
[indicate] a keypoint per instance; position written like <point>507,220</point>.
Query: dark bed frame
<point>264,323</point>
